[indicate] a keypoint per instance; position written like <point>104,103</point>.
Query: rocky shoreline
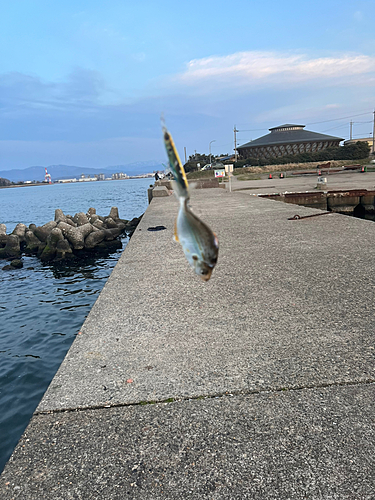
<point>66,237</point>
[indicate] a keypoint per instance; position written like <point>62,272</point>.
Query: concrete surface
<point>343,180</point>
<point>160,191</point>
<point>261,380</point>
<point>312,443</point>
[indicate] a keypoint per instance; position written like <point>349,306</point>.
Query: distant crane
<point>47,177</point>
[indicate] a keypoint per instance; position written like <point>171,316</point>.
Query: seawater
<point>42,306</point>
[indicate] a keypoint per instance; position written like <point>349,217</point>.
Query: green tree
<point>4,182</point>
<point>192,164</point>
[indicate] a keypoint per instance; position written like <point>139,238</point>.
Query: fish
<point>199,243</point>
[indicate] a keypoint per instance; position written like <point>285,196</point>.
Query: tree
<point>192,164</point>
<point>4,182</point>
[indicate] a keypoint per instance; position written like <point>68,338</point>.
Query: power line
<point>253,130</point>
<point>337,119</point>
<point>360,135</point>
<point>334,128</point>
<point>315,123</point>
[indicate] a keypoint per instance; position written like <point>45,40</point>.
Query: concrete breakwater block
<point>66,237</point>
<point>160,191</point>
<point>164,182</point>
<point>165,187</point>
<point>193,183</point>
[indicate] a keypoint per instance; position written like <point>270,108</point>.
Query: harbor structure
<point>369,140</point>
<point>293,416</point>
<point>287,139</point>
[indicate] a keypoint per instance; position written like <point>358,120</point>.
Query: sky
<point>85,82</point>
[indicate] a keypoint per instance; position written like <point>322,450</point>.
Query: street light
<point>210,151</point>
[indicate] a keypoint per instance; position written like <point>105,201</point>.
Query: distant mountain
<point>67,171</point>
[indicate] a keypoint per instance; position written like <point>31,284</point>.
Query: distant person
<point>157,176</point>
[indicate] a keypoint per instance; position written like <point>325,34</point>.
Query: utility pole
<point>185,154</point>
<point>235,143</point>
<point>210,150</point>
<point>373,136</point>
<point>351,130</point>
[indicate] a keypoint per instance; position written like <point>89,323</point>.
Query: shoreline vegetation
<point>252,173</point>
<point>349,152</point>
<point>66,238</point>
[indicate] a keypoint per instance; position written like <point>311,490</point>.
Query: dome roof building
<point>288,139</point>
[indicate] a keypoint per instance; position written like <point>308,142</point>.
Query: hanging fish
<point>199,243</point>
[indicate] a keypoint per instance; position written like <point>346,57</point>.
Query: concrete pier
<point>257,384</point>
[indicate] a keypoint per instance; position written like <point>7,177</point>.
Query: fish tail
<point>181,183</point>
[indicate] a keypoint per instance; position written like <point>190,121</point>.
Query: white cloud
<point>82,86</point>
<point>252,69</point>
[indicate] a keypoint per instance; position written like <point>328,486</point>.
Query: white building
<point>64,181</point>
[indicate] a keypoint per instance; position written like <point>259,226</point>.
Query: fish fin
<point>181,183</point>
<point>216,240</point>
<point>175,188</point>
<point>175,235</point>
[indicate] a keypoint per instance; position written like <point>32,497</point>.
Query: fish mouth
<point>206,277</point>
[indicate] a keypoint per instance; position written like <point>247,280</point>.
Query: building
<point>226,159</point>
<point>369,141</point>
<point>285,140</point>
<point>86,179</point>
<point>119,175</point>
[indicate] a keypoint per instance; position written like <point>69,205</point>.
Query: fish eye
<point>194,257</point>
<point>204,271</point>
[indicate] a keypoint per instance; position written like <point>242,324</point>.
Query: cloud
<point>74,110</point>
<point>74,121</point>
<point>82,87</point>
<point>18,88</point>
<point>252,69</point>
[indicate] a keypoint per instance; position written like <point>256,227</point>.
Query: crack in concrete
<point>209,396</point>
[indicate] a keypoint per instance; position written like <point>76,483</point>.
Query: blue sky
<point>85,82</point>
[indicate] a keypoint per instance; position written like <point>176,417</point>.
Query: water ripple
<point>42,307</point>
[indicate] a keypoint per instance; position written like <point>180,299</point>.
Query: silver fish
<point>199,243</point>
